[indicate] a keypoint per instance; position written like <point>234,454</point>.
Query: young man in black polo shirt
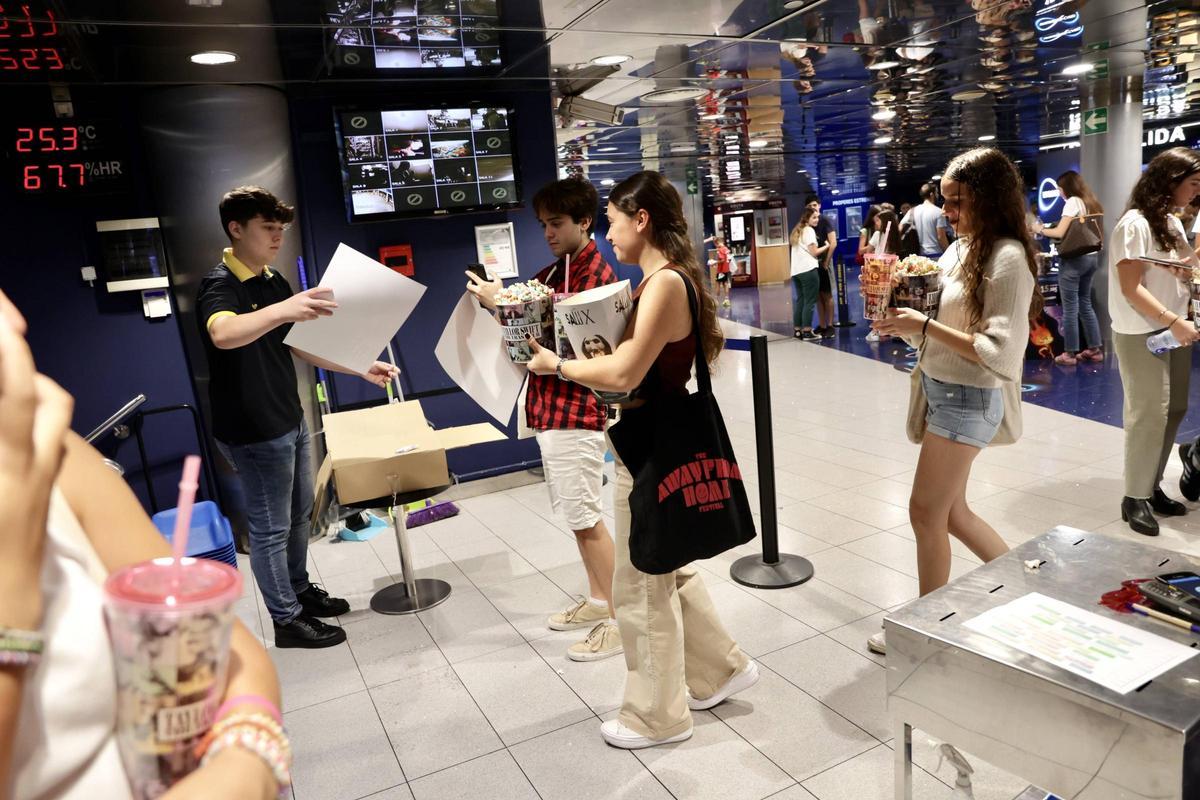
<point>245,310</point>
<point>569,420</point>
<point>825,235</point>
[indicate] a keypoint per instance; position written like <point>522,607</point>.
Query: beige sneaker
<point>581,615</point>
<point>603,642</point>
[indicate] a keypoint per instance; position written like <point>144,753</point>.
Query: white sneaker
<point>873,336</point>
<point>877,644</point>
<point>741,680</point>
<point>581,615</point>
<point>617,735</point>
<point>603,642</point>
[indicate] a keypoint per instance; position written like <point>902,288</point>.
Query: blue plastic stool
<point>211,535</point>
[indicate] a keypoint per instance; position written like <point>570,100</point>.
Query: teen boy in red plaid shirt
<point>568,419</point>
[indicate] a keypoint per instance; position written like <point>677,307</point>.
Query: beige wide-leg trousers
<point>671,633</point>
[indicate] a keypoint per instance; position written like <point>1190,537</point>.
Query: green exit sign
<point>1095,121</point>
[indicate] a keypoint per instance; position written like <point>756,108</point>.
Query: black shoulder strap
<point>703,379</point>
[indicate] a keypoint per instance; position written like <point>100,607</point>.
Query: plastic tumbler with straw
<point>876,279</point>
<point>169,621</point>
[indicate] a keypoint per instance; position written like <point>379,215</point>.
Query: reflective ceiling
<point>758,97</point>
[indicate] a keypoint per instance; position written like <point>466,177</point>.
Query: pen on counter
<point>1167,618</point>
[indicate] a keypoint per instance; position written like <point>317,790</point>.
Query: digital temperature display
<point>63,157</point>
<point>29,40</point>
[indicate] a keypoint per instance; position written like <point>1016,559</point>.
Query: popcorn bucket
<point>876,281</point>
<point>920,292</point>
<point>519,321</point>
<point>563,344</point>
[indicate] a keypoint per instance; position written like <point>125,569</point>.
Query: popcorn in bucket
<point>920,284</point>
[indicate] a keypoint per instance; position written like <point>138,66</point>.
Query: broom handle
<point>396,379</point>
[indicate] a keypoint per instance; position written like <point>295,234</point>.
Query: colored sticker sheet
<point>1117,656</point>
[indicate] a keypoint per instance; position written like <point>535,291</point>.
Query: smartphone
<point>1184,581</point>
<point>478,270</point>
<point>1162,262</point>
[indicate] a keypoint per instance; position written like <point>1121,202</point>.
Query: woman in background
<point>1145,299</point>
<point>1075,274</point>
<point>806,260</point>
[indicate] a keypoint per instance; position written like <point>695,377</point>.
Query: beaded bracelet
<point>254,720</point>
<point>274,751</point>
<point>250,700</point>
<point>19,647</point>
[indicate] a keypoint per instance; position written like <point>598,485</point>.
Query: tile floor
<point>475,698</point>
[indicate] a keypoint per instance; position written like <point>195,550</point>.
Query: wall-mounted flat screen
<point>421,162</point>
<point>415,34</point>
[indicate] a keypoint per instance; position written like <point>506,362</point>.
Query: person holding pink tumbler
<point>69,522</point>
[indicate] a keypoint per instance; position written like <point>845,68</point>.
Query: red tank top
<point>671,371</point>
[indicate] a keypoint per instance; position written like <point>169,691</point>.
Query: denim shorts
<point>960,413</point>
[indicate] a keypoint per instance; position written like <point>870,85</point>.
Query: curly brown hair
<point>997,211</point>
<point>651,192</point>
<point>1151,195</point>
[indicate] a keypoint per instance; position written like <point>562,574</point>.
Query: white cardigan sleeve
<point>1004,325</point>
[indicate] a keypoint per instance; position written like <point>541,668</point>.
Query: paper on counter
<point>373,302</point>
<point>472,353</point>
<point>1117,656</point>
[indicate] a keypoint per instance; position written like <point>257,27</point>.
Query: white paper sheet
<point>1115,655</point>
<point>471,351</point>
<point>373,302</point>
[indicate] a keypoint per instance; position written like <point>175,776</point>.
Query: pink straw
<point>567,279</point>
<point>188,485</point>
<point>884,239</point>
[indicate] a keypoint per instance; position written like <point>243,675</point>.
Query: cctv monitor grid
<point>408,161</point>
<point>417,34</point>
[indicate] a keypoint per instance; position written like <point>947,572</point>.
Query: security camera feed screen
<point>415,34</point>
<point>419,162</point>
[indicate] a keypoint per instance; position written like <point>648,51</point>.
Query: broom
<point>423,512</point>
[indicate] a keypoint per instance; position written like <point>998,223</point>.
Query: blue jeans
<point>277,481</point>
<point>1075,291</point>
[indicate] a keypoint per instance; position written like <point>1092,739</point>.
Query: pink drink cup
<point>170,627</point>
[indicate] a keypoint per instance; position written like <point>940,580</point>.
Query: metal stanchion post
<point>843,306</point>
<point>772,570</point>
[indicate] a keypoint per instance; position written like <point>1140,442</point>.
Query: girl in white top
<point>1145,298</point>
<point>805,260</point>
<point>68,521</point>
<point>974,347</point>
<point>1076,272</point>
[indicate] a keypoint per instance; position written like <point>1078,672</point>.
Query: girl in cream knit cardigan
<point>970,355</point>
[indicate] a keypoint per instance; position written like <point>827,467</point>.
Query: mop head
<point>423,512</point>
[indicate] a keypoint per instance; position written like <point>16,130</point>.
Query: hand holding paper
<point>372,303</point>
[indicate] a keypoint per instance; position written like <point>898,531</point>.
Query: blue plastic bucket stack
<point>211,536</point>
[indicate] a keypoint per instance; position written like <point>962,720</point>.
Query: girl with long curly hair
<point>654,360</point>
<point>1143,299</point>
<point>1075,273</point>
<point>971,356</point>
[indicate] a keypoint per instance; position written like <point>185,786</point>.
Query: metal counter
<point>1037,721</point>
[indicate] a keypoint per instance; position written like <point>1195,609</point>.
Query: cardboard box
<point>362,460</point>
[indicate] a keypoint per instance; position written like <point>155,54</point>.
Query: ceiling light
<point>609,61</point>
<point>834,191</point>
<point>884,114</point>
<point>883,140</point>
<point>607,182</point>
<point>987,137</point>
<point>757,143</point>
<point>1077,69</point>
<point>609,149</point>
<point>887,63</point>
<point>214,57</point>
<point>792,5</point>
<point>882,184</point>
<point>675,95</point>
<point>936,178</point>
<point>712,116</point>
<point>964,95</point>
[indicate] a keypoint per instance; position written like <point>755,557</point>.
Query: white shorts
<point>573,462</point>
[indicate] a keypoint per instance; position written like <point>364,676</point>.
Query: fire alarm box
<point>398,257</point>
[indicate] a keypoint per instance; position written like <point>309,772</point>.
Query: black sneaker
<point>828,332</point>
<point>1189,482</point>
<point>316,602</point>
<point>809,336</point>
<point>308,632</point>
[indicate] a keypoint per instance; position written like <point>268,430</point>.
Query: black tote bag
<point>688,500</point>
